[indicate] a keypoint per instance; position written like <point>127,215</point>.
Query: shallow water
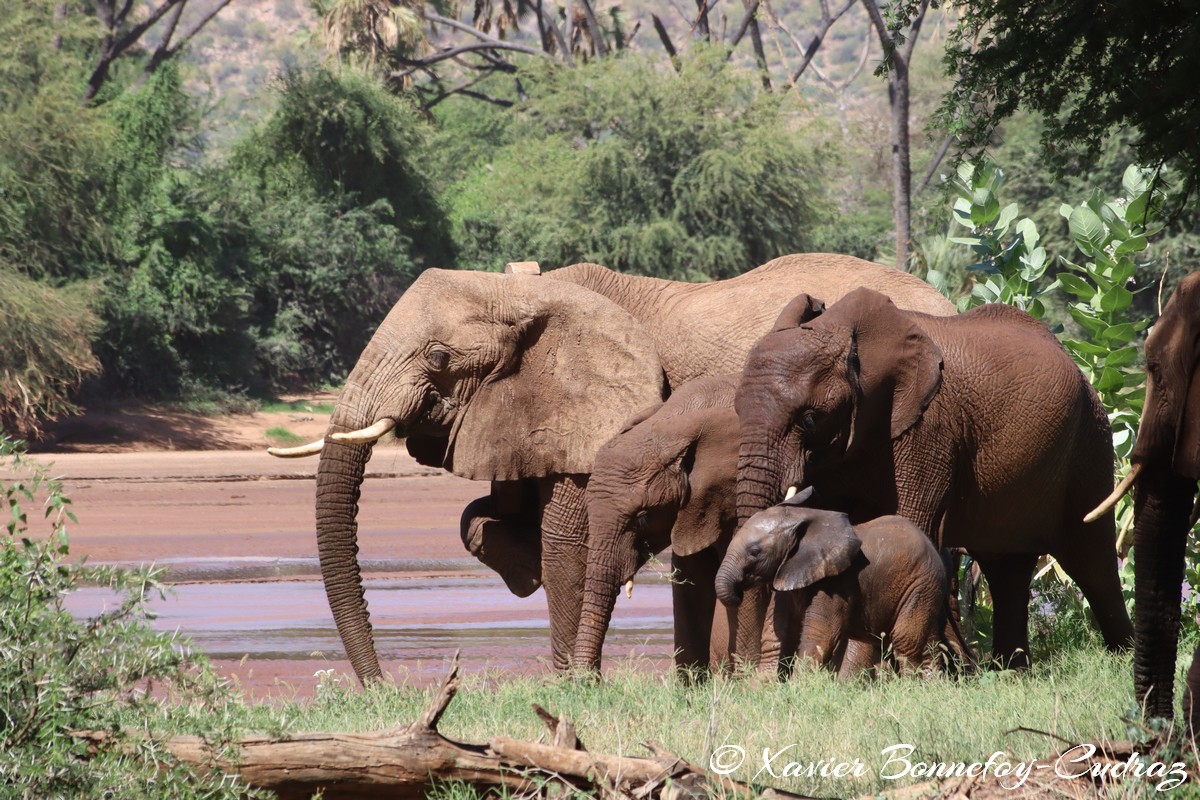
<point>238,610</point>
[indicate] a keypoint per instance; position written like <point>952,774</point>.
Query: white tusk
<point>629,588</point>
<point>791,492</point>
<point>1116,495</point>
<point>366,435</point>
<point>310,449</point>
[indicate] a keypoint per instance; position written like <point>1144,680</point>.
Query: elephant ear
<point>1187,441</point>
<point>1174,345</point>
<point>827,546</point>
<point>708,462</point>
<point>640,417</point>
<point>802,308</point>
<point>889,354</point>
<point>574,365</point>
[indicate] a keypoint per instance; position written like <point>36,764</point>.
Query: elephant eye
<point>439,359</point>
<point>640,520</point>
<point>808,421</point>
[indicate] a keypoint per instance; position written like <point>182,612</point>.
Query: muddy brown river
<point>234,532</point>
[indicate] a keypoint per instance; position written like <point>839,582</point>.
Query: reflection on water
<point>415,619</point>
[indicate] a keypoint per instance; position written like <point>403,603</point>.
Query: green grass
<point>1078,696</point>
<point>284,437</point>
<point>304,406</point>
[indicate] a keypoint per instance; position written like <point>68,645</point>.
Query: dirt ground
<point>143,427</point>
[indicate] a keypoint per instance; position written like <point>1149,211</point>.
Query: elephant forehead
<point>770,521</point>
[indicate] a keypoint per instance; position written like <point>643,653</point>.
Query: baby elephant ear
<point>828,546</point>
<point>803,308</point>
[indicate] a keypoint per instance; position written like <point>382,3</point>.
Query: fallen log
<point>407,762</point>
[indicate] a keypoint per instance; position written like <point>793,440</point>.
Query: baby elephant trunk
<point>730,578</point>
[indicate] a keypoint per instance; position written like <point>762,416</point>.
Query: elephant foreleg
<point>564,560</point>
<point>745,626</point>
<point>823,635</point>
<point>860,659</point>
<point>694,599</point>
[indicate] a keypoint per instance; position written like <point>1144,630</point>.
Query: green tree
<point>684,175</point>
<point>1088,71</point>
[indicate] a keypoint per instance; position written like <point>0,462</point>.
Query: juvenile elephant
<point>881,581</point>
<point>1166,465</point>
<point>978,428</point>
<point>667,479</point>
<point>518,380</point>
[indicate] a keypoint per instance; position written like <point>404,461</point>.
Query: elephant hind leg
<point>1008,578</point>
<point>916,630</point>
<point>1095,573</point>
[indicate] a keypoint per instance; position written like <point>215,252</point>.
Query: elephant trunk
<point>339,481</point>
<point>1162,504</point>
<point>599,596</point>
<point>730,576</point>
<point>759,481</point>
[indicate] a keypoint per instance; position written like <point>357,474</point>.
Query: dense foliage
<point>63,675</point>
<point>626,163</point>
<point>1088,71</point>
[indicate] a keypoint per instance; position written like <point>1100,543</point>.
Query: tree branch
<point>751,10</point>
<point>665,38</point>
<point>933,165</point>
<point>479,47</point>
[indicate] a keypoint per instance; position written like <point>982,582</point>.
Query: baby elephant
<point>854,585</point>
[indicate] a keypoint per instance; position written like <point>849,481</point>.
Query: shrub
<point>45,349</point>
<point>61,674</point>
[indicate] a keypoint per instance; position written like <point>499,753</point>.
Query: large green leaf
<point>1116,299</point>
<point>1110,379</point>
<point>1076,285</point>
<point>984,207</point>
<point>1087,230</point>
<point>1121,357</point>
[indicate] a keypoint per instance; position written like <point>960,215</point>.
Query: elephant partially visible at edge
<point>978,428</point>
<point>1166,466</point>
<point>880,584</point>
<point>518,380</point>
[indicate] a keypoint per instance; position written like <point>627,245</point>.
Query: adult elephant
<point>1166,465</point>
<point>978,428</point>
<point>518,380</point>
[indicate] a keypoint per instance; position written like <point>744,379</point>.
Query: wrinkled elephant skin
<point>518,380</point>
<point>978,428</point>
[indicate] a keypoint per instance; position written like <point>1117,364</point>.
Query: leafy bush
<point>695,174</point>
<point>45,350</point>
<point>273,268</point>
<point>1113,236</point>
<point>62,675</point>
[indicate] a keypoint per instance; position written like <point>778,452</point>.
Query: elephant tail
<point>956,645</point>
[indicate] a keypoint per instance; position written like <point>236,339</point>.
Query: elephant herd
<point>616,415</point>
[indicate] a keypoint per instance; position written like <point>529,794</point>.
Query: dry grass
<point>45,350</point>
